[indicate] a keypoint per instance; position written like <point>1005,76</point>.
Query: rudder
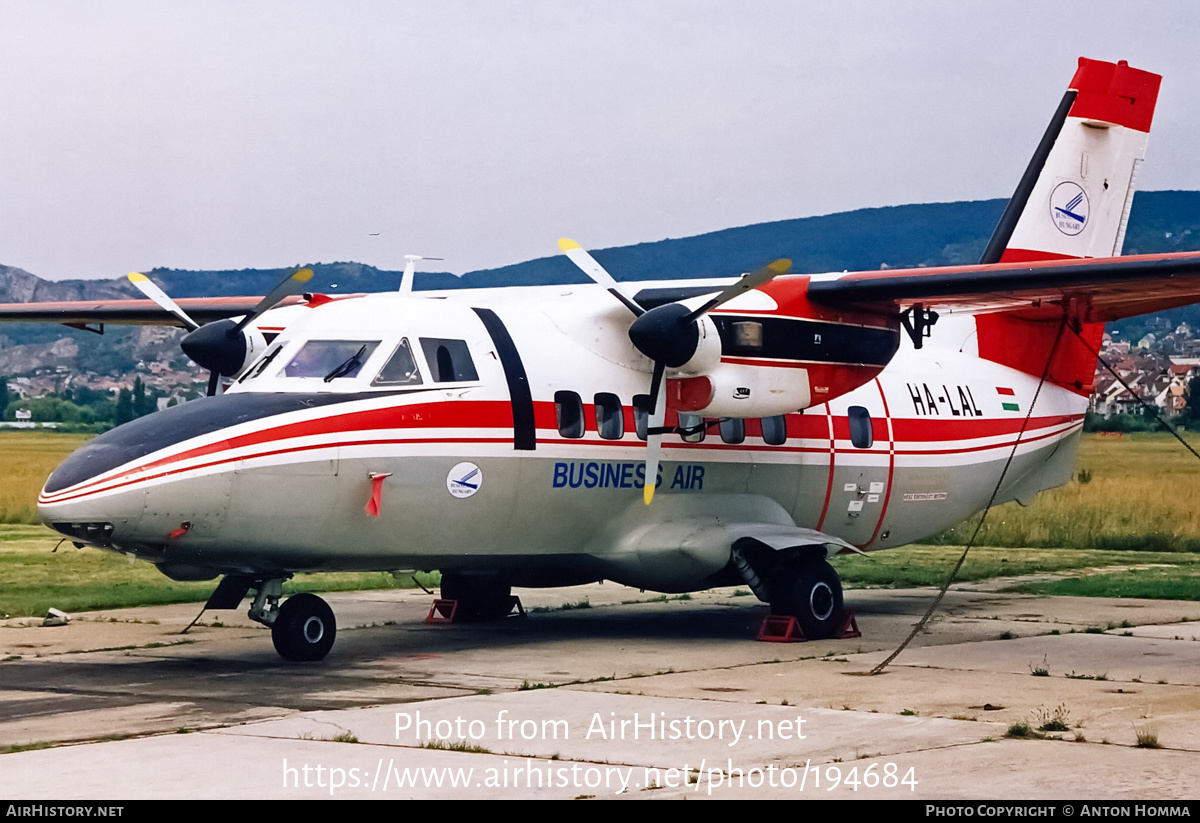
<point>1073,201</point>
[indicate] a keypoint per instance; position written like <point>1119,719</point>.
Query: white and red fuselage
<point>276,474</point>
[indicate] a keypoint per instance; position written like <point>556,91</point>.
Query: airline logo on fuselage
<point>941,400</point>
<point>593,474</point>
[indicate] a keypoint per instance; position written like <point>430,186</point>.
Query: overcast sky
<point>259,134</point>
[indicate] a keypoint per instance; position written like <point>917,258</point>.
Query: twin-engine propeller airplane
<point>516,437</point>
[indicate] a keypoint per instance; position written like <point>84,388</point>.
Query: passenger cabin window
<point>641,414</point>
<point>610,417</point>
<point>449,360</point>
<point>568,406</point>
<point>861,434</point>
<point>774,430</point>
<point>733,430</point>
<point>330,359</point>
<point>691,421</point>
<point>400,369</point>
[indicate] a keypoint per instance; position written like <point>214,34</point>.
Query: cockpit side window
<point>330,359</point>
<point>258,368</point>
<point>449,360</point>
<point>400,369</point>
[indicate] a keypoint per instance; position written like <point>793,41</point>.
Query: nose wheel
<point>304,629</point>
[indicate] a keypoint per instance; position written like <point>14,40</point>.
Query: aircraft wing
<point>1103,288</point>
<point>129,312</point>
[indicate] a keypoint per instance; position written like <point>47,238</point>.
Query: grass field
<point>34,577</point>
<point>1137,509</point>
<point>1142,496</point>
<point>1090,572</point>
<point>26,460</point>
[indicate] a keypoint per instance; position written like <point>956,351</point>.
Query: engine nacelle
<point>744,390</point>
<point>708,349</point>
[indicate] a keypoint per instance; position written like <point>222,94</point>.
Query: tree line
<point>82,406</point>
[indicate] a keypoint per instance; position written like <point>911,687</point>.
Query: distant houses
<point>1161,380</point>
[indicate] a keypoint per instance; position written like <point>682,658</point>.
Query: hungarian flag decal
<point>1008,399</point>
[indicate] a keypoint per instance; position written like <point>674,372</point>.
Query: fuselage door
<point>862,472</point>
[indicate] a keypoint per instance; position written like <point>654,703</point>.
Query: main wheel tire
<point>811,592</point>
<point>479,597</point>
<point>304,629</point>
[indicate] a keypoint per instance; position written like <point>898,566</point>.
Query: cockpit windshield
<point>387,363</point>
<point>330,359</point>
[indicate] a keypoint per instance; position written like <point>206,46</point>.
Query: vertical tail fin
<point>1073,201</point>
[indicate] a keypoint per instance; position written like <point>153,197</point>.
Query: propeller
<point>594,270</point>
<point>148,287</point>
<point>221,346</point>
<point>669,335</point>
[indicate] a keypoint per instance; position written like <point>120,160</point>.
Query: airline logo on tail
<point>1069,208</point>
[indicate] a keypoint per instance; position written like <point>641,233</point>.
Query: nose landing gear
<point>304,629</point>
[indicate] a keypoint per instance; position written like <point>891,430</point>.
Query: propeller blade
<point>292,284</point>
<point>658,412</point>
<point>748,282</point>
<point>214,382</point>
<point>596,272</point>
<point>147,287</point>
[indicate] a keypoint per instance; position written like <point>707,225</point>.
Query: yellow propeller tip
<point>566,244</point>
<point>780,266</point>
<point>303,276</point>
<point>648,494</point>
<point>137,277</point>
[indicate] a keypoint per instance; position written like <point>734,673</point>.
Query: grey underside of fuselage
<point>538,523</point>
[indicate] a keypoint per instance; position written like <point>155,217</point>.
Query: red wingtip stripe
<point>1114,93</point>
<point>1007,392</point>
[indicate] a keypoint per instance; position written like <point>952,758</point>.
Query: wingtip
<point>567,244</point>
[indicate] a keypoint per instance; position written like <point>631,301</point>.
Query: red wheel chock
<point>848,627</point>
<point>782,629</point>
<point>778,628</point>
<point>442,611</point>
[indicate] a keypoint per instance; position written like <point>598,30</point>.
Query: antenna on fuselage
<point>410,269</point>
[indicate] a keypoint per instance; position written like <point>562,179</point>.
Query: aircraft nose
<point>93,496</point>
<point>130,442</point>
<point>99,483</point>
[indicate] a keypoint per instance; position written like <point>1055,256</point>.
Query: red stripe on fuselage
<point>498,414</point>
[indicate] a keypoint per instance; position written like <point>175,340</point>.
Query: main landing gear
<point>810,591</point>
<point>480,597</point>
<point>797,582</point>
<point>302,628</point>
